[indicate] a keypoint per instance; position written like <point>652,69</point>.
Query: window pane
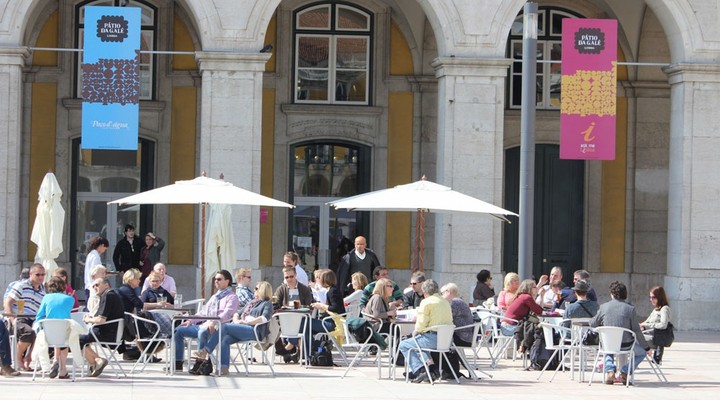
<point>555,74</point>
<point>350,86</point>
<point>516,90</point>
<point>315,18</point>
<point>517,27</point>
<point>352,19</point>
<point>313,51</point>
<point>539,93</point>
<point>312,85</point>
<point>517,50</point>
<point>352,53</point>
<point>556,22</point>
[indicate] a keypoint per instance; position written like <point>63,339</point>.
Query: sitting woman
<point>483,288</point>
<point>379,308</point>
<point>659,318</point>
<point>461,314</point>
<point>131,281</point>
<point>258,311</point>
<point>56,305</point>
<point>520,310</point>
<point>156,296</point>
<point>509,293</point>
<point>62,274</point>
<point>333,303</point>
<point>352,301</point>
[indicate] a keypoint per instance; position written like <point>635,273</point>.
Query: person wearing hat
<point>582,308</point>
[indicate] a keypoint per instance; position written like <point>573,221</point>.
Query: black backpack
<point>321,354</point>
<point>539,355</point>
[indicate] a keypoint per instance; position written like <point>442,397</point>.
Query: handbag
<point>591,338</point>
<point>532,318</point>
<point>664,337</point>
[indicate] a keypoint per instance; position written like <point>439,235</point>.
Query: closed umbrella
<point>219,242</point>
<point>421,196</point>
<point>48,227</point>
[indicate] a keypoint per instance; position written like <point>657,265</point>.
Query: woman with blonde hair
<point>379,306</point>
<point>127,292</point>
<point>508,295</point>
<point>359,281</point>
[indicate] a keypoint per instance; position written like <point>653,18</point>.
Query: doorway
<point>322,172</point>
<point>558,220</point>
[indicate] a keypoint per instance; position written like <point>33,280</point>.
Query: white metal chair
<point>443,346</point>
<point>611,338</point>
<point>13,341</point>
<point>148,344</point>
<point>292,326</point>
<point>353,309</point>
<point>361,349</point>
<point>500,341</point>
<point>109,348</point>
<point>245,350</point>
<point>57,334</point>
<point>337,344</point>
<point>563,346</point>
<point>478,338</point>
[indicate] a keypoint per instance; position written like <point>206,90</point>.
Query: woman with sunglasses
<point>659,318</point>
<point>258,311</point>
<point>380,307</point>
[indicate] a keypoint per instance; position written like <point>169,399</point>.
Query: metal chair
<point>611,338</point>
<point>292,326</point>
<point>443,346</point>
<point>563,346</point>
<point>245,350</point>
<point>149,343</point>
<point>57,334</point>
<point>362,349</point>
<point>478,338</point>
<point>108,349</point>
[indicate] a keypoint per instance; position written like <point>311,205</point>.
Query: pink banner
<point>589,89</point>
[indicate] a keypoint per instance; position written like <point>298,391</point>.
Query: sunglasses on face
<point>290,277</point>
<point>219,279</point>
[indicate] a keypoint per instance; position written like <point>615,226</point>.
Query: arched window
<point>148,35</point>
<point>549,48</point>
<point>332,54</point>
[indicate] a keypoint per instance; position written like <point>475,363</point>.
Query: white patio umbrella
<point>48,227</point>
<point>220,241</point>
<point>202,190</point>
<point>421,196</point>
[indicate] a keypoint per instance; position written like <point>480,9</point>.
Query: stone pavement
<point>692,366</point>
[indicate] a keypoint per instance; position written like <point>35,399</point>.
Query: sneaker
<point>623,378</point>
<point>610,378</point>
<point>100,364</point>
<point>8,371</point>
<point>224,371</point>
<point>200,354</point>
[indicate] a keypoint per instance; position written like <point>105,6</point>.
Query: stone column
<point>469,160</point>
<point>12,61</point>
<point>693,271</point>
<point>230,134</point>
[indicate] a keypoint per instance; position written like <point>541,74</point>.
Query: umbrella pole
<point>202,252</point>
<point>419,252</point>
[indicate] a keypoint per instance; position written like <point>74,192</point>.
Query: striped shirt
<point>24,290</point>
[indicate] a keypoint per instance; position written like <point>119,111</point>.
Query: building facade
<point>309,101</point>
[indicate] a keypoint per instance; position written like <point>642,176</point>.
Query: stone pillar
<point>230,135</point>
<point>12,61</point>
<point>693,271</point>
<point>469,160</point>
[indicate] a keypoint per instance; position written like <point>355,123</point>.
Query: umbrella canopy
<point>48,227</point>
<point>220,241</point>
<point>422,196</point>
<point>201,190</point>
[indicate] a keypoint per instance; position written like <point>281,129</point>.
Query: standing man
<point>361,259</point>
<point>292,259</point>
<point>127,251</point>
<point>434,310</point>
<point>31,291</point>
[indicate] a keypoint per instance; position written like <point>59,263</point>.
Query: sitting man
<point>289,291</point>
<point>243,277</point>
<point>381,272</point>
<point>31,292</point>
<point>434,310</point>
<point>223,305</point>
<point>109,309</point>
<point>617,312</point>
<point>166,281</point>
<point>5,357</point>
<point>415,296</point>
<point>583,307</point>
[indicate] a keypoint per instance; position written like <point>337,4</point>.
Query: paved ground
<point>692,366</point>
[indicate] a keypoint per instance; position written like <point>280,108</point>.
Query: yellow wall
<point>400,140</point>
<point>613,189</point>
<point>267,161</point>
<point>182,42</point>
<point>182,166</point>
<point>47,38</point>
<point>401,62</point>
<point>42,145</point>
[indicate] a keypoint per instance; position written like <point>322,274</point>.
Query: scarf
<point>214,306</point>
<point>249,307</point>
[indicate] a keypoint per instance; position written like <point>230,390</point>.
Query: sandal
<point>66,376</point>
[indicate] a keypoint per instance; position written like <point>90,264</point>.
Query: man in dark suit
<point>361,259</point>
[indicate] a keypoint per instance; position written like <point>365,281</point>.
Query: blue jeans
<point>205,340</point>
<point>638,356</point>
<point>233,333</point>
<point>4,345</point>
<point>428,340</point>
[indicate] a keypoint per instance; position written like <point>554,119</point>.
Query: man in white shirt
<point>545,293</point>
<point>291,259</point>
